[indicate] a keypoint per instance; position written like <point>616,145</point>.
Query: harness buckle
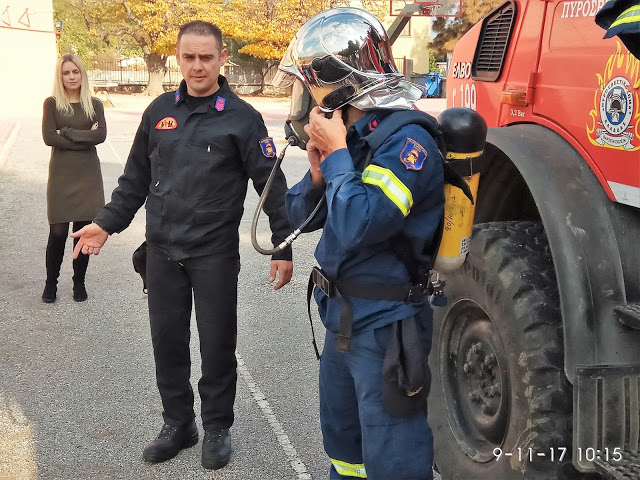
<point>322,282</point>
<point>417,293</point>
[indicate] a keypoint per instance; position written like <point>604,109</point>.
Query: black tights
<point>58,233</point>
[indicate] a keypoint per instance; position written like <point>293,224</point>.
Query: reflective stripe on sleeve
<point>349,469</point>
<point>630,15</point>
<point>390,185</point>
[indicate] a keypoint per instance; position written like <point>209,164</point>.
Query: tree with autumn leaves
<point>449,30</point>
<point>259,28</point>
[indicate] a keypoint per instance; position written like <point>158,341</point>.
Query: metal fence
<point>129,74</point>
<point>401,63</point>
<point>123,73</point>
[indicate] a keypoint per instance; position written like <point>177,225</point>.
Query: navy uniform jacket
<point>192,167</point>
<point>400,191</point>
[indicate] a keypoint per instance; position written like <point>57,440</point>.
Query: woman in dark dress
<point>72,124</point>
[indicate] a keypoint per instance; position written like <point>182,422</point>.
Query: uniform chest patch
<point>220,101</point>
<point>268,147</point>
<point>167,123</point>
<point>413,155</point>
<point>373,123</point>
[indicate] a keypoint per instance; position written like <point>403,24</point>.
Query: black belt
<point>339,289</point>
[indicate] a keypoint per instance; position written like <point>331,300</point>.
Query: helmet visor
<point>300,101</point>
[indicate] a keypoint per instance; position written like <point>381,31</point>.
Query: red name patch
<point>167,123</point>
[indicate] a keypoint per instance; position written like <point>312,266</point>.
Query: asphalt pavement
<point>77,385</point>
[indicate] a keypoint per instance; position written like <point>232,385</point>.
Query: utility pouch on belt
<point>337,288</point>
<point>406,377</point>
<point>139,259</point>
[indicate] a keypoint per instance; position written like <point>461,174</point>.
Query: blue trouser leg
<point>339,417</point>
<point>356,428</point>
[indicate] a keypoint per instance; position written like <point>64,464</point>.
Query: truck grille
<point>493,43</point>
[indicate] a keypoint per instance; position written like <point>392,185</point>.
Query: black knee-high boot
<point>79,268</point>
<point>54,255</point>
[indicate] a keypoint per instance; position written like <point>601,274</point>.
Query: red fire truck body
<point>568,74</point>
<point>537,353</point>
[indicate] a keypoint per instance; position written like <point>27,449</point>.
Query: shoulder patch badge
<point>268,147</point>
<point>167,123</point>
<point>413,155</point>
<point>220,101</point>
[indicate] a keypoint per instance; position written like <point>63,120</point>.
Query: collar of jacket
<point>363,126</point>
<point>223,91</point>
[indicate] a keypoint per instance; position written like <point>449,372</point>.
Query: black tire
<point>497,362</point>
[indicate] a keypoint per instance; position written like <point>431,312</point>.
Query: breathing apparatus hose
<point>292,139</point>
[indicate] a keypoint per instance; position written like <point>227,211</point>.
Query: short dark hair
<point>200,27</point>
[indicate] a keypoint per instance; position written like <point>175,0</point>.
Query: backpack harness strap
<point>340,288</point>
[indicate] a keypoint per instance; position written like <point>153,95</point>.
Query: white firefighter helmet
<point>343,56</point>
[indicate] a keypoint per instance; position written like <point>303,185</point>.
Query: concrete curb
<point>11,140</point>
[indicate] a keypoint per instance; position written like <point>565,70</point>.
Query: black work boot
<point>79,292</point>
<point>50,290</point>
<point>170,441</point>
<point>216,448</point>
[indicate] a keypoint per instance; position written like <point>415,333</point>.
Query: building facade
<point>27,55</point>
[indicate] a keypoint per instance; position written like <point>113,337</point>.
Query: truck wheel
<point>497,362</point>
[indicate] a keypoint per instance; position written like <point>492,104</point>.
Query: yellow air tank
<point>465,133</point>
<point>458,224</point>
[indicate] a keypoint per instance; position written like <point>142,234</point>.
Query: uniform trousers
<point>211,281</point>
<point>360,437</point>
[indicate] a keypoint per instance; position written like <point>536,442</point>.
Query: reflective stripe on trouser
<point>356,428</point>
<point>349,469</point>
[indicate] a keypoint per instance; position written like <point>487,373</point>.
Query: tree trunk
<point>264,69</point>
<point>156,65</point>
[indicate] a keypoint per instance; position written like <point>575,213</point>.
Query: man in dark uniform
<point>379,195</point>
<point>191,159</point>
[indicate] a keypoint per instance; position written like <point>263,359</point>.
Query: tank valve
<point>437,297</point>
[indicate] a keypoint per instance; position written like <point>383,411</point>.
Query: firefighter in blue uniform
<point>383,201</point>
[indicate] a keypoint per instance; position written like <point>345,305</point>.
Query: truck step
<point>628,315</point>
<point>628,468</point>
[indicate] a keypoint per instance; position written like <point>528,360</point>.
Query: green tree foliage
<point>449,30</point>
<point>433,65</point>
<point>81,38</point>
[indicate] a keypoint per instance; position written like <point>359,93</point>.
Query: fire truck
<point>536,356</point>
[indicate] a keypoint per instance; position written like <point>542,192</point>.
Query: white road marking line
<point>289,450</point>
<point>114,152</point>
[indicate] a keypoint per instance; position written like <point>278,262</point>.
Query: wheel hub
<point>475,380</point>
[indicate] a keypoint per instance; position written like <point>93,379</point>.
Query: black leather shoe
<point>216,448</point>
<point>170,441</point>
<point>49,294</point>
<point>79,293</point>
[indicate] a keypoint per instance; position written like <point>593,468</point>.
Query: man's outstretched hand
<point>91,240</point>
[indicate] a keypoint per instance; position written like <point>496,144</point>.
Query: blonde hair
<point>59,93</point>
